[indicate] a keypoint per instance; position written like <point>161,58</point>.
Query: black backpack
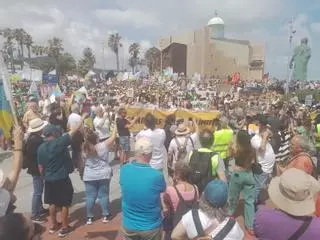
<point>184,206</point>
<point>201,169</point>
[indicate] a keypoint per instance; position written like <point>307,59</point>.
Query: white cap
<point>143,146</point>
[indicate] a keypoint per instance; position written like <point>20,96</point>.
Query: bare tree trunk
<point>117,56</point>
<point>29,53</point>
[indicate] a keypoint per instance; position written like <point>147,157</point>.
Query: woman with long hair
<point>242,177</point>
<point>97,173</point>
<point>179,198</point>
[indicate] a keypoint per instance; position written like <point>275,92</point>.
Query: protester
<point>222,138</point>
<point>74,120</point>
<point>31,113</point>
<point>205,164</point>
<point>211,217</point>
<point>157,137</point>
<point>31,163</point>
<point>179,198</point>
<point>97,173</point>
<point>123,126</point>
<point>293,193</point>
<point>264,154</point>
<point>55,166</point>
<point>141,186</point>
<point>102,124</point>
<point>242,178</point>
<point>58,117</point>
<point>169,128</point>
<point>180,146</point>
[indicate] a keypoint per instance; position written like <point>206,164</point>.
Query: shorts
<point>124,143</point>
<point>155,234</point>
<point>59,192</point>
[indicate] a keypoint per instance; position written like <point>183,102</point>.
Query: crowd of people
<point>179,180</point>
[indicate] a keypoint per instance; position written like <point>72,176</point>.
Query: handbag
<point>256,167</point>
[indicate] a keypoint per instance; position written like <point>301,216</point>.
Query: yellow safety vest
<point>222,139</point>
<point>318,136</point>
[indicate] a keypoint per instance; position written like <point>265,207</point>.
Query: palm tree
<point>39,50</point>
<point>153,59</point>
<point>55,50</point>
<point>19,35</point>
<point>134,51</point>
<point>114,44</point>
<point>8,46</point>
<point>28,43</point>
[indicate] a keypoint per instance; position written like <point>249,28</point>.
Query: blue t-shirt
<point>141,187</point>
<point>54,157</point>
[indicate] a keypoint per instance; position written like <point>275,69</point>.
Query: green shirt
<point>54,157</point>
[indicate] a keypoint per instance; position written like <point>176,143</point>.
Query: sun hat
<point>294,192</point>
<point>216,193</point>
<point>36,125</point>
<point>182,130</point>
<point>143,146</point>
<point>50,129</point>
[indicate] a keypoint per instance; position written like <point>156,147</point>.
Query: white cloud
<point>315,27</point>
<point>129,17</point>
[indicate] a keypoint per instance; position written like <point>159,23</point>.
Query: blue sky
<point>86,23</point>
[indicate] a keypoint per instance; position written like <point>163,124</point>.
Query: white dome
<point>216,21</point>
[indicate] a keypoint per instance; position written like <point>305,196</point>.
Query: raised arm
<point>111,139</point>
<point>12,179</point>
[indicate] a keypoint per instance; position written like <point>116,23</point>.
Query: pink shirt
<point>171,193</point>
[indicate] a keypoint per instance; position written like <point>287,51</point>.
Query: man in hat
<point>293,193</point>
<point>31,163</point>
<point>180,146</point>
<point>55,165</point>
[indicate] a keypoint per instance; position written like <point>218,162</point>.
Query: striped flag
<point>6,103</point>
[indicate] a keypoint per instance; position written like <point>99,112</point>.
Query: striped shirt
<point>284,150</point>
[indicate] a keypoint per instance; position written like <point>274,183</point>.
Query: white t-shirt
<point>236,232</point>
<point>102,126</point>
<point>266,159</point>
<point>157,138</point>
<point>74,120</point>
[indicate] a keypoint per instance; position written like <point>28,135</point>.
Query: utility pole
<point>292,32</point>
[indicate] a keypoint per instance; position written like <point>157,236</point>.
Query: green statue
<point>299,61</point>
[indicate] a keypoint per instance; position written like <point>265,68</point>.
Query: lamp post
<point>289,69</point>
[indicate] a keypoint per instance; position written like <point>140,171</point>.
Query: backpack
<point>201,168</point>
<point>184,206</point>
<point>182,149</point>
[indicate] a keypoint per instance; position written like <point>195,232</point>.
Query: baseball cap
<point>143,146</point>
<point>50,129</point>
<point>216,193</point>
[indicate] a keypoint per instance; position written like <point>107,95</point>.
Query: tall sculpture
<point>299,60</point>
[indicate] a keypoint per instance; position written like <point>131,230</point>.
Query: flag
<point>6,116</point>
<point>33,90</point>
<point>266,77</point>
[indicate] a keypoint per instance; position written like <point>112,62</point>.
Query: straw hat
<point>182,130</point>
<point>294,192</point>
<point>36,125</point>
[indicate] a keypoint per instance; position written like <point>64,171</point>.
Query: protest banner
<point>204,119</point>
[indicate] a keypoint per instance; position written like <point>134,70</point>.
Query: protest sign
<point>204,119</point>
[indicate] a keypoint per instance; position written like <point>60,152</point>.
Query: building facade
<point>212,55</point>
